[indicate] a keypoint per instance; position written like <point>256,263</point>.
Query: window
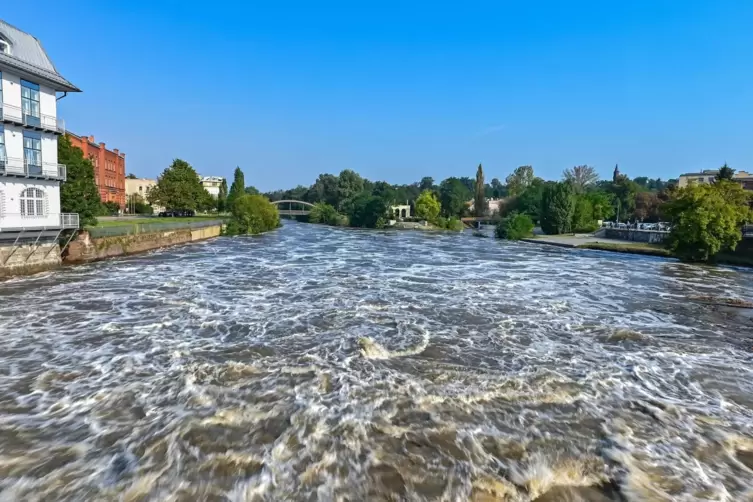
<point>33,152</point>
<point>4,47</point>
<point>32,202</point>
<point>30,102</point>
<point>1,91</point>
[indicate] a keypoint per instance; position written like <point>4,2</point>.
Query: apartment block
<point>30,175</point>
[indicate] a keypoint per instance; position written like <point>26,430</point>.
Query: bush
<point>449,224</point>
<point>514,227</point>
<point>427,206</point>
<point>109,208</point>
<point>325,214</point>
<point>252,214</point>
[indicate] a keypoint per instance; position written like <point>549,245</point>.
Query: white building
<point>30,175</point>
<point>212,184</point>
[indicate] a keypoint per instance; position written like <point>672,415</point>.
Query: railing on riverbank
<point>146,228</point>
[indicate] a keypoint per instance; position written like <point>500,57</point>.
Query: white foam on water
<point>317,363</point>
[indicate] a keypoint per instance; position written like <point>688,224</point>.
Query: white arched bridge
<point>293,207</point>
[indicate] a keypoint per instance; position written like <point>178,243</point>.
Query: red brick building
<point>109,168</point>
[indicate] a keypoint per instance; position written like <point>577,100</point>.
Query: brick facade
<point>109,168</point>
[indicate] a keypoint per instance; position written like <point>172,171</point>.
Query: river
<point>315,363</point>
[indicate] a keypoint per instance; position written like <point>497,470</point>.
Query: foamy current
<point>324,364</point>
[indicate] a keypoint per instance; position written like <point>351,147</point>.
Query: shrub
<point>252,214</point>
<point>325,214</point>
<point>514,227</point>
<point>428,206</point>
<point>449,224</point>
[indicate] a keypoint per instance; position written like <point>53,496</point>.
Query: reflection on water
<point>325,364</point>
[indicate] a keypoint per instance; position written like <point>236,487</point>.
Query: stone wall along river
<point>324,364</point>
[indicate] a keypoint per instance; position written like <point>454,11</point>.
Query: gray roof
<point>28,56</point>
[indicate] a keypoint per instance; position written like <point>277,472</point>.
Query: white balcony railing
<point>12,113</point>
<point>50,221</point>
<point>19,167</point>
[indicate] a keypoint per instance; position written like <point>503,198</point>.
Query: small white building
<point>30,175</point>
<point>212,184</point>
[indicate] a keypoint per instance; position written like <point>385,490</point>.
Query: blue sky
<point>401,90</point>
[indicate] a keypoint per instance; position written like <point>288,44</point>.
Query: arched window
<point>33,202</point>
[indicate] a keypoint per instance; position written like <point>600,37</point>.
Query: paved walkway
<point>573,241</point>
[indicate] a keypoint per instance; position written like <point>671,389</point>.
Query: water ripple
<point>315,363</point>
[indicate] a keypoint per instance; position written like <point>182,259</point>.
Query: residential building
<point>30,175</point>
<point>709,175</point>
<point>141,187</point>
<point>109,168</point>
<point>212,184</point>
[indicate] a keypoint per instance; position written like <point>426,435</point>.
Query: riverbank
<point>88,246</point>
<point>742,257</point>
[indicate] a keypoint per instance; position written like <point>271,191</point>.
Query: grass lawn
<point>155,220</point>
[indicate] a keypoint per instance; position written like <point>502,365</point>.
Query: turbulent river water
<point>314,363</point>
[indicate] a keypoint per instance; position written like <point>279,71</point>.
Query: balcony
<point>11,114</point>
<point>69,220</point>
<point>18,167</point>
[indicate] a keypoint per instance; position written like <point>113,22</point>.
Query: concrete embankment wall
<point>650,236</point>
<point>86,248</point>
<point>28,258</point>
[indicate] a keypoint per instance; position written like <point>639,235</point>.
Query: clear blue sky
<point>401,90</point>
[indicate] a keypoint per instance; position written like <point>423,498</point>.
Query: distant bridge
<point>303,207</point>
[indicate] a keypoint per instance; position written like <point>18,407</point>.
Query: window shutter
<point>2,203</point>
<point>46,204</point>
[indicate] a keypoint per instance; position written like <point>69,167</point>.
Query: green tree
<point>583,215</point>
<point>178,188</point>
<point>368,211</point>
<point>454,195</point>
<point>327,215</point>
<point>602,204</point>
<point>349,185</point>
<point>222,197</point>
<point>238,187</point>
<point>323,190</point>
<point>514,227</point>
<point>557,207</point>
<point>79,193</point>
<point>386,192</point>
<point>428,206</point>
<point>725,173</point>
<point>480,206</point>
<point>252,214</point>
<point>581,177</point>
<point>529,201</point>
<point>519,180</point>
<point>251,190</point>
<point>131,176</point>
<point>707,219</point>
<point>427,183</point>
<point>624,191</point>
<point>498,189</point>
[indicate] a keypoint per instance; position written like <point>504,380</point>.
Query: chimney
<point>115,150</point>
<point>102,146</point>
<point>91,139</point>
